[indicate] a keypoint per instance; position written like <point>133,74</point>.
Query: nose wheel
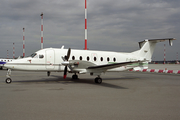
<point>8,79</point>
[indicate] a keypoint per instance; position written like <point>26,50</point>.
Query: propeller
<point>66,62</point>
<point>65,72</point>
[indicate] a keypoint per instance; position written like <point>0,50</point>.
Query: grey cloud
<point>112,25</point>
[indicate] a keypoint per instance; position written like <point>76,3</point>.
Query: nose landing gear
<point>8,79</point>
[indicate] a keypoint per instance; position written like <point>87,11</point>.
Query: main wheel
<point>48,73</point>
<point>8,80</point>
<point>98,80</point>
<point>74,77</point>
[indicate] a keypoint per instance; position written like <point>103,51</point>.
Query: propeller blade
<point>65,72</point>
<point>66,62</point>
<point>63,58</point>
<point>68,54</point>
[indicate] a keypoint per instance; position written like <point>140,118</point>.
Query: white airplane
<point>85,61</point>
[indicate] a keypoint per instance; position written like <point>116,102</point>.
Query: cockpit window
<point>34,54</point>
<point>41,56</point>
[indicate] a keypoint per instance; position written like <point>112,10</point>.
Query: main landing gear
<point>48,73</point>
<point>8,79</point>
<point>75,77</point>
<point>98,80</point>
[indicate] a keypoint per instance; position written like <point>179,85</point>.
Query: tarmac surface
<point>122,95</point>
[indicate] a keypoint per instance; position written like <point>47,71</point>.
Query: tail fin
<point>147,47</point>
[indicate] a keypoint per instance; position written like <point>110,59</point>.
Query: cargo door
<point>49,59</point>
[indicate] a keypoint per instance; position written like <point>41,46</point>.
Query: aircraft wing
<point>88,67</point>
<point>110,66</point>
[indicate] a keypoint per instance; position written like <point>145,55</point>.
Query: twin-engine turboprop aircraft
<point>85,61</point>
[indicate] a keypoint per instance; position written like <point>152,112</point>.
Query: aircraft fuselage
<point>50,59</point>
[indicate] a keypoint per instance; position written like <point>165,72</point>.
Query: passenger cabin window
<point>108,59</point>
<point>114,59</point>
<point>88,58</point>
<point>101,58</point>
<point>80,57</point>
<point>73,58</point>
<point>41,56</point>
<point>95,59</point>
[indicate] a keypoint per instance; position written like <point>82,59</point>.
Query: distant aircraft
<point>85,61</point>
<point>3,61</point>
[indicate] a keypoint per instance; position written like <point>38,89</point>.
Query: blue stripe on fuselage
<point>2,62</point>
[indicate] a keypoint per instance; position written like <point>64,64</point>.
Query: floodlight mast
<point>85,25</point>
<point>23,42</point>
<point>41,30</point>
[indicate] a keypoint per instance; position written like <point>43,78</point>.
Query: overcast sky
<point>113,25</point>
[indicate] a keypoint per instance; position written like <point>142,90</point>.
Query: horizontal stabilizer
<point>156,41</point>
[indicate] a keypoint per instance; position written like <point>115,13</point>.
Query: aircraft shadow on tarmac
<point>58,79</point>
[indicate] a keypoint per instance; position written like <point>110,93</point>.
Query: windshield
<point>34,54</point>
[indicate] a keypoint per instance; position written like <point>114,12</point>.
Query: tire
<point>98,80</point>
<point>75,77</point>
<point>8,80</point>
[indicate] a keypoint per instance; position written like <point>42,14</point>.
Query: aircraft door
<point>50,59</point>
